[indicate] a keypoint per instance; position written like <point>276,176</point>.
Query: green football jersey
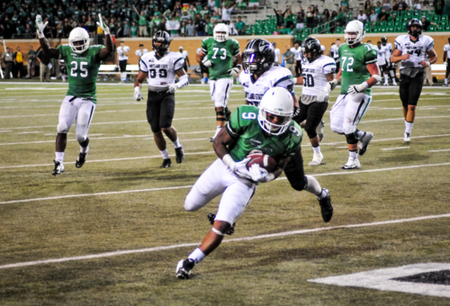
<point>353,65</point>
<point>244,126</point>
<point>221,55</point>
<point>82,70</point>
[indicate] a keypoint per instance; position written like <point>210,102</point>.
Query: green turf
<point>121,200</point>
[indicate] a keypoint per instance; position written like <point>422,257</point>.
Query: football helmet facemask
<point>220,32</point>
<point>275,111</point>
<point>354,32</point>
<point>258,56</point>
<point>79,40</point>
<point>163,39</point>
<point>311,49</point>
<point>414,23</point>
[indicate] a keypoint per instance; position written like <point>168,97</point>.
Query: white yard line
<point>436,151</point>
<point>183,187</point>
<point>193,244</point>
<point>396,148</point>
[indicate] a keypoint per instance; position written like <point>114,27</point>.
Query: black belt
<point>158,92</point>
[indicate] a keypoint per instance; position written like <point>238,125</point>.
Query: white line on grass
<point>435,151</point>
<point>396,148</point>
<point>183,187</point>
<point>183,245</point>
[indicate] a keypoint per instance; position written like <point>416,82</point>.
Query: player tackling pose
<point>411,49</point>
<point>160,67</point>
<point>268,129</point>
<point>217,54</point>
<point>258,76</point>
<point>359,72</point>
<point>82,63</point>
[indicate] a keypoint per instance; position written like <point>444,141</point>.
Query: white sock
<point>445,81</point>
<point>316,149</point>
<point>165,154</point>
<point>322,194</point>
<point>63,78</point>
<point>385,78</point>
<point>218,131</point>
<point>197,255</point>
<point>84,150</point>
<point>313,185</point>
<point>353,154</point>
<point>360,134</point>
<point>176,143</point>
<point>59,156</point>
<point>123,76</point>
<point>408,126</point>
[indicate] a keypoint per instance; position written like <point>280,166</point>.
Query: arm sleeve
<point>233,126</point>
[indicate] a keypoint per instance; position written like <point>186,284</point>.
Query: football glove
<point>137,93</point>
<point>40,26</point>
<point>257,173</point>
<point>235,70</point>
<point>322,96</point>
<point>332,85</point>
<point>296,112</point>
<point>206,62</point>
<point>240,169</point>
<point>354,89</point>
<point>104,27</point>
<point>172,88</point>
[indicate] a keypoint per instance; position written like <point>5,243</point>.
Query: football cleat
<point>351,164</point>
<point>386,84</point>
<point>59,168</point>
<point>81,159</point>
<point>326,208</point>
<point>211,218</point>
<point>184,268</point>
<point>317,159</point>
<point>394,83</point>
<point>407,137</point>
<point>179,155</point>
<point>445,85</point>
<point>166,163</point>
<point>319,129</point>
<point>364,142</point>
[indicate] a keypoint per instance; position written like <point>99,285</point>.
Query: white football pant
<point>220,91</point>
<point>348,111</point>
<point>79,109</point>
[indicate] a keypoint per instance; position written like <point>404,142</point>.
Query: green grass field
<point>121,201</point>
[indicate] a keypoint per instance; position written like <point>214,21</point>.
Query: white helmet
<point>221,32</point>
<point>277,101</point>
<point>79,35</point>
<point>356,28</point>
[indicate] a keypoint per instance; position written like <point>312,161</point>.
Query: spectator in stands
<point>134,29</point>
<point>31,58</point>
<point>387,5</point>
<point>142,15</point>
<point>177,9</point>
<point>345,5</point>
<point>362,17</point>
<point>30,32</point>
<point>127,29</point>
<point>185,17</point>
<point>242,4</point>
<point>325,17</point>
<point>280,17</point>
<point>227,8</point>
<point>426,24</point>
<point>395,6</point>
<point>253,4</point>
<point>402,5</point>
<point>373,17</point>
<point>416,5</point>
<point>383,16</point>
<point>368,7</point>
<point>316,15</point>
<point>240,26</point>
<point>8,59</point>
<point>190,28</point>
<point>290,19</point>
<point>211,4</point>
<point>44,62</point>
<point>200,25</point>
<point>183,32</point>
<point>289,60</point>
<point>334,20</point>
<point>215,16</point>
<point>438,6</point>
<point>309,18</point>
<point>300,19</point>
<point>378,7</point>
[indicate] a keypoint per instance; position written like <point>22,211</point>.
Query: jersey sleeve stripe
<point>178,60</point>
<point>142,64</point>
<point>288,77</point>
<point>334,64</point>
<point>204,51</point>
<point>372,61</point>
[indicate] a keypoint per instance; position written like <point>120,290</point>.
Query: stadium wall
<point>191,44</point>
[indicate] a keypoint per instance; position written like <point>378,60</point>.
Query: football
<point>263,160</point>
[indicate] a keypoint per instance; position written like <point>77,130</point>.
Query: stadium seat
<point>432,28</point>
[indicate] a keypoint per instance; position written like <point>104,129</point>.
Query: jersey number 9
<point>162,73</point>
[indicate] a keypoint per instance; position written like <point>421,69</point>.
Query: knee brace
<point>352,138</point>
<point>221,115</point>
<point>62,128</point>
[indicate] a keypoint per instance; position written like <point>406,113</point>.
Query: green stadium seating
<point>432,28</point>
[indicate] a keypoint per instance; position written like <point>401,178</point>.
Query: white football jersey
<point>277,55</point>
<point>274,77</point>
<point>140,53</point>
<point>314,80</point>
<point>388,51</point>
<point>161,72</point>
<point>184,54</point>
<point>334,52</point>
<point>121,53</point>
<point>447,49</point>
<point>381,55</point>
<point>416,49</point>
<point>298,53</point>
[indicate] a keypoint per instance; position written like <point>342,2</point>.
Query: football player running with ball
<point>359,72</point>
<point>258,76</point>
<point>160,67</point>
<point>217,54</point>
<point>318,70</point>
<point>82,62</point>
<point>412,49</point>
<point>268,129</point>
